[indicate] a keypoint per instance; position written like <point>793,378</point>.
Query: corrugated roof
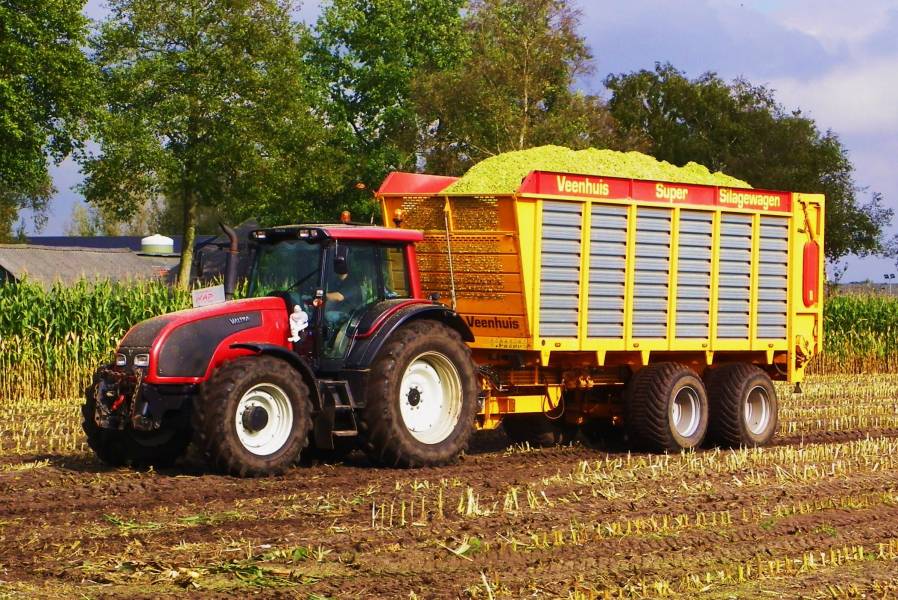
<point>48,264</point>
<point>104,241</point>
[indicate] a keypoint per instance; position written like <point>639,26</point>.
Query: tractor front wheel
<point>422,398</point>
<point>253,416</point>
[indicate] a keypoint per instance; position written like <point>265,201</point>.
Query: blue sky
<point>835,60</point>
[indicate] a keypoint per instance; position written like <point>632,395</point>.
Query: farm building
<point>48,264</point>
<point>47,259</point>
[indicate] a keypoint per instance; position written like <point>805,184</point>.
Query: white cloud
<point>852,98</point>
<point>836,23</point>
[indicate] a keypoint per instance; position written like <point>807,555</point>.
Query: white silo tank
<point>157,244</point>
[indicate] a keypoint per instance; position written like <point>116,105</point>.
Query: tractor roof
<point>372,233</point>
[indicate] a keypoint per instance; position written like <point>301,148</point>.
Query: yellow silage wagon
<point>608,305</point>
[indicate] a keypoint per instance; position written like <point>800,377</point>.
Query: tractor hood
<point>184,345</point>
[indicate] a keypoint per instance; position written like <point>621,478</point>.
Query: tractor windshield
<point>291,266</point>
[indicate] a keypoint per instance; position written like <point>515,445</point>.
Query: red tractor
<point>368,363</point>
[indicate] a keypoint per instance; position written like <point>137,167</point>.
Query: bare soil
<point>563,522</point>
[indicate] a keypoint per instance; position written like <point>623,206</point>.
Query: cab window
<point>395,273</point>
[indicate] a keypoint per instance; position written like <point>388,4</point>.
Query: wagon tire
<point>252,417</point>
<point>743,406</point>
<point>667,408</point>
<point>421,401</point>
<point>129,447</point>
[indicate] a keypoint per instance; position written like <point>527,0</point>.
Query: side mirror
<point>341,267</point>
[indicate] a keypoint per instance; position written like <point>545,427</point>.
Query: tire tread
<point>648,405</point>
<point>725,387</point>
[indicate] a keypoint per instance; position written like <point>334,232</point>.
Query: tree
<point>742,130</point>
<point>367,53</point>
<point>513,89</point>
<point>85,221</point>
<point>47,91</point>
<point>209,105</point>
<point>88,221</point>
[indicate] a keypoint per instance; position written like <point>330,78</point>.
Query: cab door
<point>359,277</point>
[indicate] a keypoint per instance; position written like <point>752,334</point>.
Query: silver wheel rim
<point>685,412</point>
<point>757,410</point>
<point>430,397</point>
<point>271,437</point>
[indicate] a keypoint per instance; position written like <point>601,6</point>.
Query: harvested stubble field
<point>813,516</point>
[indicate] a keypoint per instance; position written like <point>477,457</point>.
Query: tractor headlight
<point>141,360</point>
<point>121,360</point>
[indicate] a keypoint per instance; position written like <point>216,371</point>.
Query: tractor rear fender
<point>292,358</point>
<point>366,346</point>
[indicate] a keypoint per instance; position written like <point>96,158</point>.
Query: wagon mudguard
<point>368,343</point>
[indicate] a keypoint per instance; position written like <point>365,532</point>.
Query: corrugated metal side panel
<point>773,277</point>
<point>734,287</point>
<point>694,274</point>
<point>560,269</point>
<point>650,289</point>
<point>607,271</point>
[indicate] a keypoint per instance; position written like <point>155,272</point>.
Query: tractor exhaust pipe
<point>230,276</point>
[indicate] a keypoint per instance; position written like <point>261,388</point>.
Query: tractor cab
<point>330,277</point>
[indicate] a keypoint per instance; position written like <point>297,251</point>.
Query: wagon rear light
<point>810,278</point>
<point>121,360</point>
<point>142,360</point>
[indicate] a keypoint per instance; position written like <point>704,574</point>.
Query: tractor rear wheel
<point>667,407</point>
<point>538,430</point>
<point>743,406</point>
<point>139,449</point>
<point>421,402</point>
<point>253,416</point>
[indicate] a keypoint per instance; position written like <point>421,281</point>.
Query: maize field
<point>814,515</point>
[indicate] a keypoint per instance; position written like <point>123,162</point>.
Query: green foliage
<point>367,53</point>
<point>209,105</point>
<point>47,98</point>
<point>513,88</point>
<point>741,129</point>
<point>502,174</point>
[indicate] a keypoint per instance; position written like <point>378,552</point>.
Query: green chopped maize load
<point>502,174</point>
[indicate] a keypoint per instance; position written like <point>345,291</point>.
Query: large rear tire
<point>743,406</point>
<point>129,447</point>
<point>253,416</point>
<point>421,400</point>
<point>667,408</point>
